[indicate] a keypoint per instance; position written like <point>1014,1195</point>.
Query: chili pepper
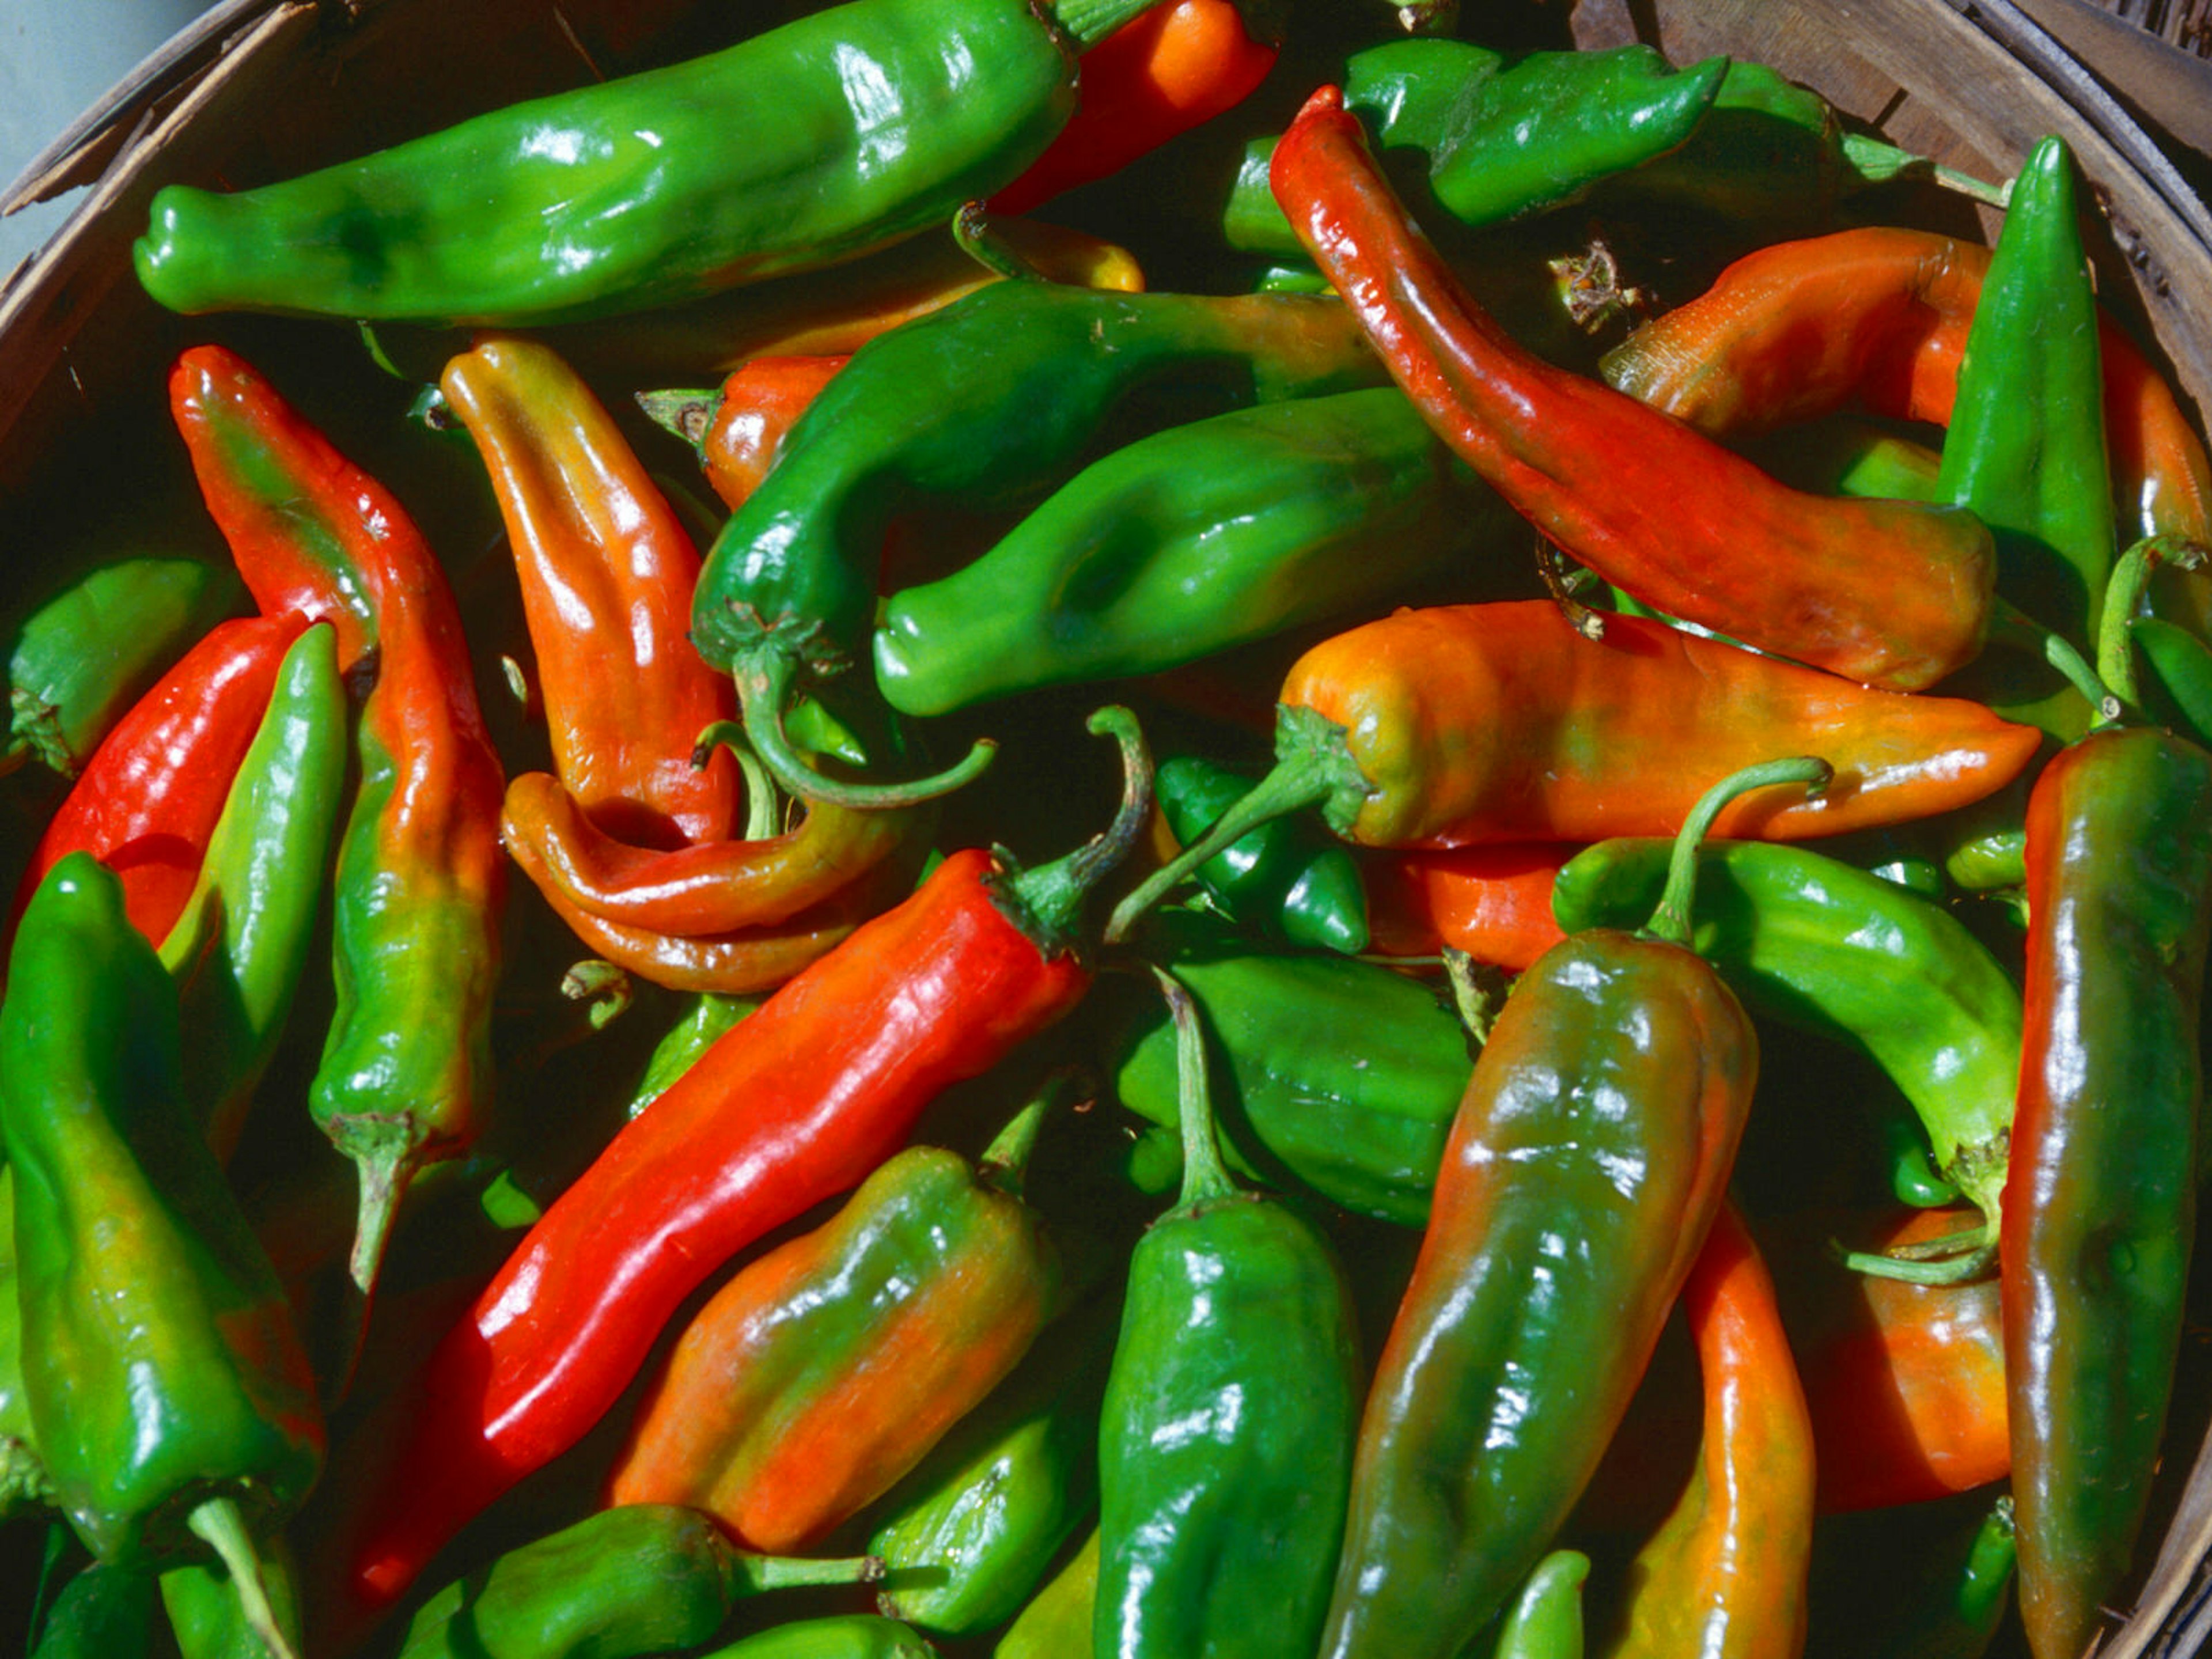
<point>641,1579</point>
<point>1497,140</point>
<point>1494,902</point>
<point>1190,542</point>
<point>1363,1125</point>
<point>1850,455</point>
<point>1056,1624</point>
<point>993,397</point>
<point>1224,1443</point>
<point>24,1487</point>
<point>104,1611</point>
<point>816,1378</point>
<point>795,1104</point>
<point>607,572</point>
<point>738,428</point>
<point>1895,594</point>
<point>1587,1160</point>
<point>1812,941</point>
<point>841,1636</point>
<point>707,1017</point>
<point>2098,1215</point>
<point>1977,1595</point>
<point>203,1608</point>
<point>2181,673</point>
<point>149,798</point>
<point>1285,880</point>
<point>1547,1621</point>
<point>81,657</point>
<point>1462,725</point>
<point>1154,78</point>
<point>984,1515</point>
<point>239,948</point>
<point>420,878</point>
<point>168,1394</point>
<point>788,151</point>
<point>1725,1573</point>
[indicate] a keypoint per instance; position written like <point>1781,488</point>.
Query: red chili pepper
<point>799,1102</point>
<point>1888,593</point>
<point>757,404</point>
<point>1494,903</point>
<point>149,799</point>
<point>1153,78</point>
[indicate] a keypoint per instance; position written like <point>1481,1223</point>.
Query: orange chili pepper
<point>607,572</point>
<point>757,404</point>
<point>1494,902</point>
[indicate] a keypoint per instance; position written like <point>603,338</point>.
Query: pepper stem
<point>752,1574</point>
<point>1671,920</point>
<point>1005,1161</point>
<point>605,986</point>
<point>764,681</point>
<point>763,805</point>
<point>1086,23</point>
<point>2124,595</point>
<point>219,1523</point>
<point>688,414</point>
<point>983,241</point>
<point>1874,162</point>
<point>1204,1175</point>
<point>386,1164</point>
<point>1047,902</point>
<point>2010,625</point>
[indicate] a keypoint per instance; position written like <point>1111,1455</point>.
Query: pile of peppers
<point>1114,829</point>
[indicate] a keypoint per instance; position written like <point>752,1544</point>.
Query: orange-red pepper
<point>1889,594</point>
<point>758,404</point>
<point>1494,902</point>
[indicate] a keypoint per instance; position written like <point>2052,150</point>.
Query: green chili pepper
<point>1499,140</point>
<point>1816,944</point>
<point>24,1487</point>
<point>1056,1624</point>
<point>1287,880</point>
<point>1972,1596</point>
<point>986,1514</point>
<point>2180,679</point>
<point>81,658</point>
<point>105,1612</point>
<point>788,151</point>
<point>1190,542</point>
<point>708,1017</point>
<point>239,950</point>
<point>1225,1446</point>
<point>844,1636</point>
<point>1362,1123</point>
<point>203,1608</point>
<point>636,1579</point>
<point>169,1396</point>
<point>1547,1622</point>
<point>1849,455</point>
<point>982,404</point>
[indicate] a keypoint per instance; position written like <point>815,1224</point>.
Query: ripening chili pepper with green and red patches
<point>406,1073</point>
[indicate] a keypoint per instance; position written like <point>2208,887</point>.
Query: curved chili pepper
<point>1894,594</point>
<point>710,1015</point>
<point>1466,724</point>
<point>1156,76</point>
<point>1494,902</point>
<point>1285,880</point>
<point>420,879</point>
<point>797,1103</point>
<point>738,428</point>
<point>788,151</point>
<point>1590,1155</point>
<point>1545,1620</point>
<point>1057,1621</point>
<point>827,1369</point>
<point>153,792</point>
<point>607,572</point>
<point>1724,1577</point>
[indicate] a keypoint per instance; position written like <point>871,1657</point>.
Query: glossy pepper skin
<point>421,880</point>
<point>1895,594</point>
<point>1285,881</point>
<point>607,572</point>
<point>840,1636</point>
<point>1190,542</point>
<point>642,1579</point>
<point>1056,1622</point>
<point>150,797</point>
<point>169,1395</point>
<point>1224,1441</point>
<point>827,1369</point>
<point>79,659</point>
<point>203,1610</point>
<point>2099,1212</point>
<point>1725,1575</point>
<point>795,1104</point>
<point>1545,1620</point>
<point>1494,902</point>
<point>760,401</point>
<point>788,151</point>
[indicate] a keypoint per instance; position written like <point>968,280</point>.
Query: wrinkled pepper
<point>405,1071</point>
<point>1888,593</point>
<point>785,152</point>
<point>1285,881</point>
<point>1224,1441</point>
<point>797,1103</point>
<point>1588,1158</point>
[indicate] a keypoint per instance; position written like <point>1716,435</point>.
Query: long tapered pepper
<point>797,1103</point>
<point>420,879</point>
<point>1890,594</point>
<point>607,571</point>
<point>154,790</point>
<point>1590,1155</point>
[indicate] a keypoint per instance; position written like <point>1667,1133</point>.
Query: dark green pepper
<point>1056,1624</point>
<point>1225,1446</point>
<point>1191,542</point>
<point>105,1612</point>
<point>1287,880</point>
<point>2179,684</point>
<point>843,1636</point>
<point>981,405</point>
<point>636,1579</point>
<point>1363,1124</point>
<point>708,1017</point>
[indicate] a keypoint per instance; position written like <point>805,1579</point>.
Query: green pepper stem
<point>605,986</point>
<point>982,241</point>
<point>218,1522</point>
<point>686,413</point>
<point>385,1163</point>
<point>2124,596</point>
<point>1975,1254</point>
<point>1047,902</point>
<point>1204,1175</point>
<point>2010,625</point>
<point>764,804</point>
<point>1874,162</point>
<point>1671,920</point>
<point>764,681</point>
<point>1088,22</point>
<point>1005,1161</point>
<point>752,1574</point>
